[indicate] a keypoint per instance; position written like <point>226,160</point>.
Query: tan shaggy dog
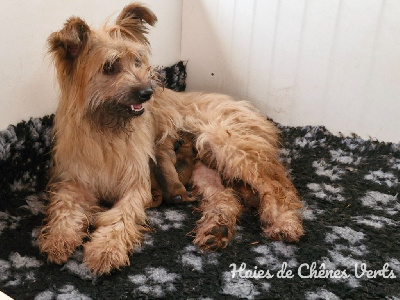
<point>113,119</point>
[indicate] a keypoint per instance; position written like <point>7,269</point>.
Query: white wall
<point>302,62</point>
<point>27,84</point>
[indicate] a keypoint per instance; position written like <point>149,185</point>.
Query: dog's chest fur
<point>107,161</point>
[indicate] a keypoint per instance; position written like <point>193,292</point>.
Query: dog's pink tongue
<point>137,106</point>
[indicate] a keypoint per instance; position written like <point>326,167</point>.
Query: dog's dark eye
<point>138,63</point>
<point>112,67</point>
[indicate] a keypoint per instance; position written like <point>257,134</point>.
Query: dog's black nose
<point>145,94</point>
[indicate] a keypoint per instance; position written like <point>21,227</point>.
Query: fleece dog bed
<point>351,248</point>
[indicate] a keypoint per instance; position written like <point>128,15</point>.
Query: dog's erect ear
<point>133,19</point>
<point>68,43</point>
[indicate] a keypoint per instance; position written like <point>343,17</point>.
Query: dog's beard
<point>114,116</point>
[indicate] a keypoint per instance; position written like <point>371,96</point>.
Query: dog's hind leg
<point>279,203</point>
<point>279,206</point>
<point>68,218</point>
<point>241,144</point>
<point>220,209</point>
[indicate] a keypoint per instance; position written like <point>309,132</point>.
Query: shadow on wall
<point>208,54</point>
<point>231,48</point>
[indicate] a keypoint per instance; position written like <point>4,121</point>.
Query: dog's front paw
<point>102,257</point>
<point>58,246</point>
<point>185,198</point>
<point>212,236</point>
<point>176,193</point>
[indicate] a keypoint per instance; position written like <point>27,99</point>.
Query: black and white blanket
<point>351,249</point>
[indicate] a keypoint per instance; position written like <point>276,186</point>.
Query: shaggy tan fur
<point>175,164</point>
<point>110,119</point>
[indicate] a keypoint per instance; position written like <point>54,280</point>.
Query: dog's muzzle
<point>143,95</point>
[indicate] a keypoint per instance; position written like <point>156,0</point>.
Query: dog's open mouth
<point>136,109</point>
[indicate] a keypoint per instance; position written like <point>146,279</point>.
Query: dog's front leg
<point>174,190</point>
<point>118,231</point>
<point>68,217</point>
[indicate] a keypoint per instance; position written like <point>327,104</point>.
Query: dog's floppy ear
<point>68,43</point>
<point>133,19</point>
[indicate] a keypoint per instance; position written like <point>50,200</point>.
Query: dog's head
<point>104,75</point>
